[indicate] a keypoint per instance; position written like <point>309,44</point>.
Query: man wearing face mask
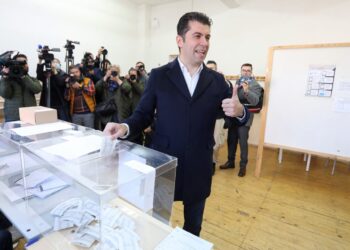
<point>18,89</point>
<point>137,88</point>
<point>57,88</point>
<point>112,86</point>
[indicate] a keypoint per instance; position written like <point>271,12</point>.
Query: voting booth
<point>65,186</point>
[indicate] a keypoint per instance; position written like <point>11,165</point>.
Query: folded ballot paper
<point>40,183</point>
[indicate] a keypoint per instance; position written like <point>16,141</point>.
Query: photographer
<point>80,92</point>
<point>17,87</point>
<point>91,67</point>
<point>112,86</point>
<point>142,73</point>
<point>57,88</point>
<point>249,93</point>
<point>137,88</point>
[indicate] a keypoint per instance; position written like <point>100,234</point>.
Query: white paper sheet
<point>341,105</point>
<point>42,128</point>
<point>35,178</point>
<point>75,148</point>
<point>180,239</point>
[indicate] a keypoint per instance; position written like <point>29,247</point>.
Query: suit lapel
<point>176,76</point>
<point>204,81</point>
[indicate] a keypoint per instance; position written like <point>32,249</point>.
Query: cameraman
<point>57,88</point>
<point>18,88</point>
<point>137,88</point>
<point>80,93</point>
<point>112,86</point>
<point>142,73</point>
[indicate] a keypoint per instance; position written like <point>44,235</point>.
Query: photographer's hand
<point>99,52</point>
<point>245,86</point>
<point>5,71</point>
<point>107,75</point>
<point>76,85</point>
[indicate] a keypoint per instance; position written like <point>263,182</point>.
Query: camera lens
<point>114,73</point>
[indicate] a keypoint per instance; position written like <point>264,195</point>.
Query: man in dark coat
<point>188,97</point>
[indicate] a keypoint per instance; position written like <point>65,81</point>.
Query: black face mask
<point>132,77</point>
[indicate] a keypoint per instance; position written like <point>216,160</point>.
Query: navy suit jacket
<point>184,127</point>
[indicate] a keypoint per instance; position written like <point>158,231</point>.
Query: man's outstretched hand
<point>115,130</point>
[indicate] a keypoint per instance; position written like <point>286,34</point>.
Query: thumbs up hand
<point>232,106</point>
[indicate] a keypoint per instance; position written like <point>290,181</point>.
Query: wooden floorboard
<point>286,208</point>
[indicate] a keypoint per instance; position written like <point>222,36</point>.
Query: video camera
<point>16,68</point>
<point>70,47</point>
<point>46,56</point>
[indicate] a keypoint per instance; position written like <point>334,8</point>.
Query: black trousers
<point>193,214</point>
<point>237,134</point>
<point>5,240</point>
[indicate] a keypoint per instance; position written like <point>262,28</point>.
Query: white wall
<point>109,23</point>
<point>244,34</point>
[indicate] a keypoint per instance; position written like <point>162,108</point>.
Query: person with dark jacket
<point>249,92</point>
<point>137,88</point>
<point>188,98</point>
<point>112,86</point>
<point>18,91</point>
<point>5,235</point>
<point>57,88</point>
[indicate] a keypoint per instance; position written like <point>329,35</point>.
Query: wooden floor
<point>286,208</point>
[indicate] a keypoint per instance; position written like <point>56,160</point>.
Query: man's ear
<point>179,41</point>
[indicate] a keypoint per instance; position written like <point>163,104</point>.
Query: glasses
<point>246,70</point>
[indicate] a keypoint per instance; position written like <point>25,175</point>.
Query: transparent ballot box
<point>78,189</point>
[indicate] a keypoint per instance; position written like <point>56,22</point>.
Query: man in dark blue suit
<point>188,97</point>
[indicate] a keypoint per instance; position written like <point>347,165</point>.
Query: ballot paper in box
<point>96,193</point>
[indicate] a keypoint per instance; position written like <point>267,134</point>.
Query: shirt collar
<point>184,69</point>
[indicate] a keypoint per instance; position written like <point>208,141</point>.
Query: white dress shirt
<point>191,81</point>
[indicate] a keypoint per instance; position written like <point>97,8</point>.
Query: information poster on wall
<point>320,80</point>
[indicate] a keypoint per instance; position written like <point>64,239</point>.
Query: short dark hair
<point>140,62</point>
<point>247,65</point>
<point>211,62</point>
<point>76,66</point>
<point>131,69</point>
<point>20,56</point>
<point>182,25</point>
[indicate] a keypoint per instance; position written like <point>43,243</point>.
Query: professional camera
<point>114,73</point>
<point>16,68</point>
<point>69,45</point>
<point>245,79</point>
<point>46,56</point>
<point>72,80</point>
